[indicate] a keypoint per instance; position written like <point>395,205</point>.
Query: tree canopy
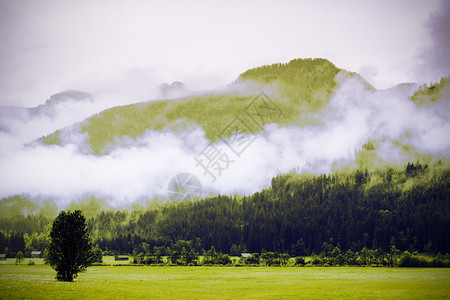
<point>70,250</point>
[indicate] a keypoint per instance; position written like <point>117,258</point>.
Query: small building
<point>245,255</point>
<point>2,256</point>
<point>120,257</point>
<point>36,254</point>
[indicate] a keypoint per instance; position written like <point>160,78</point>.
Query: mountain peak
<point>295,71</point>
<point>175,89</point>
<point>69,95</point>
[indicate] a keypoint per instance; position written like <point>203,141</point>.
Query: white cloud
<point>143,167</point>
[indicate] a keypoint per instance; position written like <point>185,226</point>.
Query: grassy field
<point>109,260</point>
<point>131,282</point>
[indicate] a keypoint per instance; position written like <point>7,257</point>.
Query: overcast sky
<point>127,48</point>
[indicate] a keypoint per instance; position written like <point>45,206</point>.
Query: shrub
<point>317,261</point>
<point>252,259</point>
<point>299,261</point>
<point>409,260</point>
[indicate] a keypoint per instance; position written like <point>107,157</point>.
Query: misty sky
<point>124,49</point>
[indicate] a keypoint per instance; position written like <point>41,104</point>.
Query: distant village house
<point>120,257</point>
<point>36,254</point>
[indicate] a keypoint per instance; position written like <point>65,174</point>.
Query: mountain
<point>54,100</point>
<point>306,115</point>
<point>434,92</point>
<point>173,90</point>
<point>295,88</point>
<point>11,114</point>
<point>296,94</point>
<point>69,95</point>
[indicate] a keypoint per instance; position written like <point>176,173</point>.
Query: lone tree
<point>70,250</point>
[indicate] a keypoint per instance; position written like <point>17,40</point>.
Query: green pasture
<point>139,282</point>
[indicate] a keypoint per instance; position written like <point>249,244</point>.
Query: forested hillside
<point>297,87</point>
<point>408,208</point>
<point>434,92</point>
<point>305,82</point>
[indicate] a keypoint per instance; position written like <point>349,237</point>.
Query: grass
<point>131,282</point>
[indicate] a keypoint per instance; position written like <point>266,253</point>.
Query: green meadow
<point>137,282</point>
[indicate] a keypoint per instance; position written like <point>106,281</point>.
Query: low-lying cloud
<point>141,168</point>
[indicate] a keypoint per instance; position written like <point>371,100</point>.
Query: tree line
<point>366,257</point>
<point>407,209</point>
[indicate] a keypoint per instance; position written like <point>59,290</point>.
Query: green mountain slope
<point>295,88</point>
<point>430,94</point>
